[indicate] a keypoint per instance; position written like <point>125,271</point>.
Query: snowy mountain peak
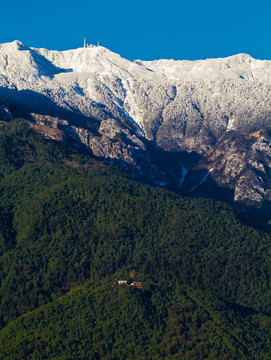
<point>13,46</point>
<point>197,97</point>
<point>89,59</point>
<point>95,60</point>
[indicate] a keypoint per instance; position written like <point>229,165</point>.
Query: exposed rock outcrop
<point>242,163</point>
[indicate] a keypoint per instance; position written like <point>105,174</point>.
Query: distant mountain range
<point>202,127</point>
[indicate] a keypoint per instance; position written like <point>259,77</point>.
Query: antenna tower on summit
<point>84,42</point>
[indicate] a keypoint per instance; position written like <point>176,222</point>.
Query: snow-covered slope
<point>90,81</point>
<point>175,105</point>
<point>179,103</point>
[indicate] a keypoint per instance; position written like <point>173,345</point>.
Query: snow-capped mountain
<point>148,115</point>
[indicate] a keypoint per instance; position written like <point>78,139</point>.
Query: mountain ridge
<point>119,109</point>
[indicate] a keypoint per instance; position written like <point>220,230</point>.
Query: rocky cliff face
<point>193,125</point>
<point>240,163</point>
<point>113,142</point>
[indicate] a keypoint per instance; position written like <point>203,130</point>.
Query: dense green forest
<point>70,225</point>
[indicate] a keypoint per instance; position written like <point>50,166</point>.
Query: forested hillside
<point>70,225</point>
<point>162,321</point>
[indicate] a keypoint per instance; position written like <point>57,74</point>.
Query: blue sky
<point>144,30</point>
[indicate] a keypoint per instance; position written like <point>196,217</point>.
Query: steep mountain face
<point>240,163</point>
<point>152,118</point>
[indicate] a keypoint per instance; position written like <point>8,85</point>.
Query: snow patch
<point>231,125</point>
<point>202,181</point>
<point>184,172</point>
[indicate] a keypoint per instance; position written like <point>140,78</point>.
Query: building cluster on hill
<point>132,283</point>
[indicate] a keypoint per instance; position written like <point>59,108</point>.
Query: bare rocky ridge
<point>113,142</point>
<point>143,114</point>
